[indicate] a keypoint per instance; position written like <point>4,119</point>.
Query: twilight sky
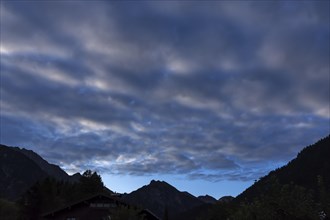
<point>208,96</point>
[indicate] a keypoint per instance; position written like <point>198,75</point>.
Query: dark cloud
<point>211,90</point>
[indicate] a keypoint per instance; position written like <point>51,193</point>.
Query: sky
<point>206,95</point>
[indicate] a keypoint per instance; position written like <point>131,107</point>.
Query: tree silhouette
<point>91,183</point>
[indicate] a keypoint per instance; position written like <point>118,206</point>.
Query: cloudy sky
<point>206,95</point>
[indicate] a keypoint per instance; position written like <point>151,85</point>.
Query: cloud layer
<point>212,90</point>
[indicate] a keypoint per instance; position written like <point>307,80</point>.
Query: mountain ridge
<point>207,199</point>
<point>304,170</point>
<point>308,173</point>
<point>51,169</point>
<point>16,180</point>
<point>298,190</point>
<point>162,199</point>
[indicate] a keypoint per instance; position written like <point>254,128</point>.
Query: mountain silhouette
<point>311,166</point>
<point>21,168</point>
<point>207,199</point>
<point>298,190</point>
<point>50,169</point>
<point>162,199</point>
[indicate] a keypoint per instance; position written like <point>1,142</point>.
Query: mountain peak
<point>158,196</point>
<point>15,180</point>
<point>207,199</point>
<point>226,199</point>
<point>159,182</point>
<point>155,182</point>
<point>160,186</point>
<point>51,169</point>
<point>21,168</point>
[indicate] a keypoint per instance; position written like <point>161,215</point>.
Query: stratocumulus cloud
<point>209,90</point>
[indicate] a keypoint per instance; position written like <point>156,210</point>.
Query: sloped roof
<point>114,197</point>
<point>150,214</point>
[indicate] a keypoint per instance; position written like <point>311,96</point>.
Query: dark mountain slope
<point>226,199</point>
<point>161,197</point>
<point>207,199</point>
<point>51,169</point>
<point>309,169</point>
<point>201,212</point>
<point>194,213</point>
<point>299,190</point>
<point>21,168</point>
<point>18,173</point>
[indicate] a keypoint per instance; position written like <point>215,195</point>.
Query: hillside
<point>298,190</point>
<point>207,199</point>
<point>160,197</point>
<point>51,169</point>
<point>21,168</point>
<point>311,166</point>
<point>18,173</point>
